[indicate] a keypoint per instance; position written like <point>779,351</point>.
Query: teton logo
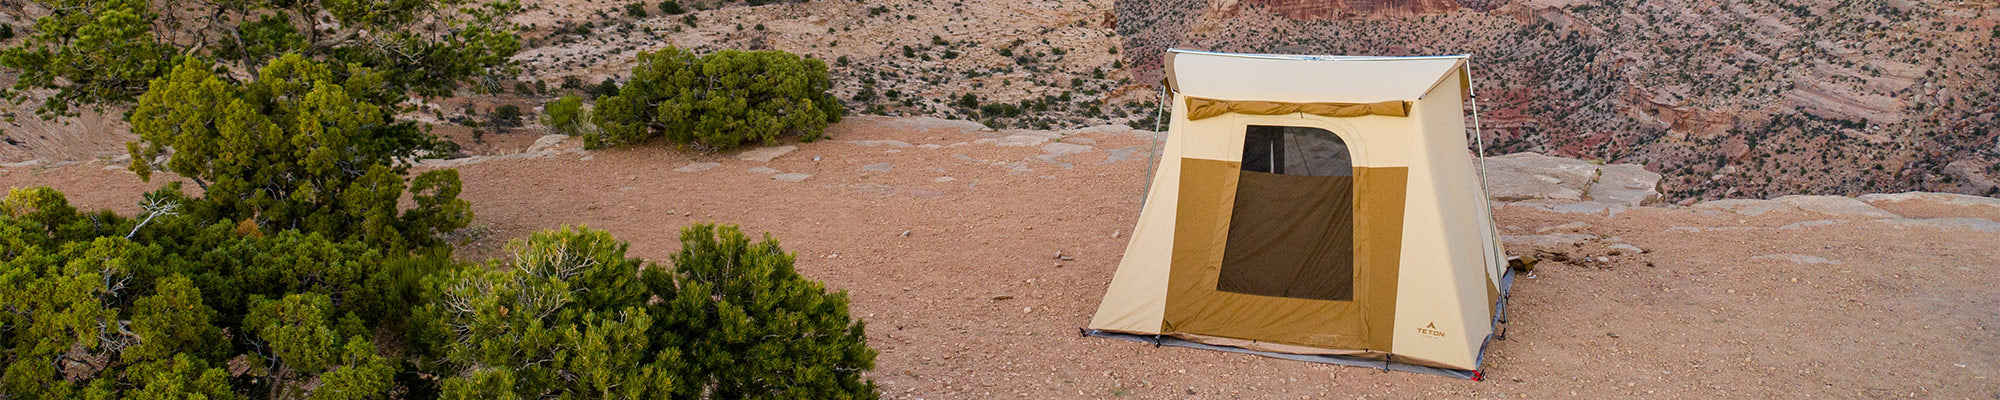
<point>1431,330</point>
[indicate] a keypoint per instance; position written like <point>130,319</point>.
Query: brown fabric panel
<point>1201,224</point>
<point>1290,236</point>
<point>1204,108</point>
<point>1194,306</point>
<point>1379,196</point>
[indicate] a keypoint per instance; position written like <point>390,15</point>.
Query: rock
<point>1797,258</point>
<point>1627,184</point>
<point>873,143</point>
<point>1813,223</point>
<point>1628,249</point>
<point>943,179</point>
<point>29,163</point>
<point>792,177</point>
<point>929,123</point>
<point>697,167</point>
<point>1558,240</point>
<point>1747,207</point>
<point>1835,205</point>
<point>1021,140</point>
<point>928,146</point>
<point>1002,297</point>
<point>547,144</point>
<point>1528,176</point>
<point>1063,149</point>
<point>1592,208</point>
<point>763,170</point>
<point>1564,227</point>
<point>878,167</point>
<point>1976,224</point>
<point>1928,197</point>
<point>766,154</point>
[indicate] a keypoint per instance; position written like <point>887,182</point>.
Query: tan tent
<point>1315,208</point>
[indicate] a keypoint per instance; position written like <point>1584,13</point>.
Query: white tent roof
<point>1302,79</point>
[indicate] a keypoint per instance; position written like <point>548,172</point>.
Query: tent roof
<point>1304,78</point>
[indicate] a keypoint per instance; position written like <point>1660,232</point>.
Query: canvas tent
<point>1318,208</point>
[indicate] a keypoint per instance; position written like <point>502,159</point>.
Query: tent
<point>1316,208</point>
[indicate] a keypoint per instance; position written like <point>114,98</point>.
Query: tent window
<point>1291,232</point>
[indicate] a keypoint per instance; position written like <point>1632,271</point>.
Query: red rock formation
<point>1335,9</point>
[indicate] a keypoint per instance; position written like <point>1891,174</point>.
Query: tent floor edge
<point>1322,359</point>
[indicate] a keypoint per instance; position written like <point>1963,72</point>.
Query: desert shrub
<point>732,320</point>
<point>635,10</point>
<point>297,149</point>
<point>565,115</point>
<point>505,116</point>
<point>718,101</point>
<point>671,7</point>
<point>163,303</point>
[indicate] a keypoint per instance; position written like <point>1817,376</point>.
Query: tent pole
<point>1153,153</point>
<point>1479,136</point>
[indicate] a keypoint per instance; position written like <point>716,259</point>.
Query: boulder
<point>1840,206</point>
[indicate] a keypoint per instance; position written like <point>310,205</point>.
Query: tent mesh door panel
<point>1291,231</point>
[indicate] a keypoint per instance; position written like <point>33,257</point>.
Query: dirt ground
<point>1719,306</point>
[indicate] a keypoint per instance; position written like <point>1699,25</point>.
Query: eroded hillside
<point>1728,99</point>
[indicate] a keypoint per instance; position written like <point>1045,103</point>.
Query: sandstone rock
<point>1975,224</point>
<point>1628,184</point>
<point>1627,248</point>
<point>697,167</point>
<point>1938,198</point>
<point>765,154</point>
<point>873,143</point>
<point>1558,240</point>
<point>792,177</point>
<point>878,167</point>
<point>1748,207</point>
<point>1583,208</point>
<point>1060,148</point>
<point>1813,223</point>
<point>548,144</point>
<point>1564,227</point>
<point>763,170</point>
<point>1835,205</point>
<point>1527,176</point>
<point>1022,140</point>
<point>943,179</point>
<point>1797,258</point>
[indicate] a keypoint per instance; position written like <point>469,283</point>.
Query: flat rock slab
<point>890,143</point>
<point>1797,258</point>
<point>1748,207</point>
<point>792,177</point>
<point>1627,184</point>
<point>763,170</point>
<point>1021,141</point>
<point>1929,197</point>
<point>878,167</point>
<point>1559,240</point>
<point>766,154</point>
<point>1589,208</point>
<point>697,167</point>
<point>1975,224</point>
<point>1527,176</point>
<point>1836,206</point>
<point>1060,148</point>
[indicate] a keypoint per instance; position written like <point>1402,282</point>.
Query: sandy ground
<point>1890,313</point>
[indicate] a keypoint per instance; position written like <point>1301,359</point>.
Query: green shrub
<point>505,116</point>
<point>565,115</point>
<point>718,101</point>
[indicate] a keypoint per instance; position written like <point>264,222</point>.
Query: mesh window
<point>1291,232</point>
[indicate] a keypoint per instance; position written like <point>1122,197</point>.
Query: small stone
<point>698,167</point>
<point>792,177</point>
<point>906,233</point>
<point>1613,335</point>
<point>1117,233</point>
<point>1002,297</point>
<point>1627,249</point>
<point>878,167</point>
<point>943,179</point>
